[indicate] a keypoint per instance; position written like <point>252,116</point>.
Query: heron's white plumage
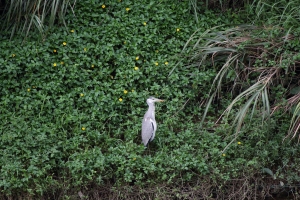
<point>149,125</point>
<point>148,130</point>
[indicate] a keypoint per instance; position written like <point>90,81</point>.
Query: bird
<point>149,125</point>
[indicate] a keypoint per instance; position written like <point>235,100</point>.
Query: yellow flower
<point>156,51</point>
<point>28,90</point>
<point>83,128</point>
<point>120,99</point>
<point>136,68</point>
<point>84,49</point>
<point>62,63</point>
<point>13,55</point>
<point>93,66</point>
<point>137,57</point>
<point>54,50</point>
<point>72,31</point>
<point>166,63</point>
<point>103,6</point>
<point>81,94</point>
<point>145,23</point>
<point>132,90</point>
<point>178,29</point>
<point>111,77</point>
<point>33,87</point>
<point>223,154</point>
<point>156,63</point>
<point>54,64</point>
<point>64,43</point>
<point>127,9</point>
<point>239,143</point>
<point>125,91</point>
<point>134,159</point>
<point>124,42</point>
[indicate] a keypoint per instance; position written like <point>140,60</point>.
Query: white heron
<point>149,125</point>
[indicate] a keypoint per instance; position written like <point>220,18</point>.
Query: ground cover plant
<point>72,100</point>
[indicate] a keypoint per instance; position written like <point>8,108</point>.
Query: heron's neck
<point>151,106</point>
<point>151,109</point>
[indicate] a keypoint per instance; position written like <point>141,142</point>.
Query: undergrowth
<point>72,104</point>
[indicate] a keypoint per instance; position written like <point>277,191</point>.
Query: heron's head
<point>152,100</point>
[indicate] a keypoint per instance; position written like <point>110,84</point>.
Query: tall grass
<point>252,63</point>
<point>21,16</point>
<point>282,13</point>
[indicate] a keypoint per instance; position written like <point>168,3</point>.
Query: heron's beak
<point>160,100</point>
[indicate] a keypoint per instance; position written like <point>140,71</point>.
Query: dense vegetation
<point>73,96</point>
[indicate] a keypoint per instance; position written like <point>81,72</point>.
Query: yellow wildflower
<point>93,66</point>
<point>103,6</point>
<point>166,63</point>
<point>83,128</point>
<point>134,159</point>
<point>120,99</point>
<point>223,154</point>
<point>136,68</point>
<point>64,43</point>
<point>145,23</point>
<point>239,143</point>
<point>62,63</point>
<point>54,64</point>
<point>125,91</point>
<point>178,29</point>
<point>72,31</point>
<point>54,51</point>
<point>156,63</point>
<point>84,49</point>
<point>81,94</point>
<point>137,57</point>
<point>13,55</point>
<point>124,42</point>
<point>127,9</point>
<point>132,90</point>
<point>28,90</point>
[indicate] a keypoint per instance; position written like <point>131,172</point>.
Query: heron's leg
<point>147,149</point>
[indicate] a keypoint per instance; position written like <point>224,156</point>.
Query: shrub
<point>71,106</point>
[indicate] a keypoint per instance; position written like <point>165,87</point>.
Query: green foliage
<point>72,104</point>
<point>219,5</point>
